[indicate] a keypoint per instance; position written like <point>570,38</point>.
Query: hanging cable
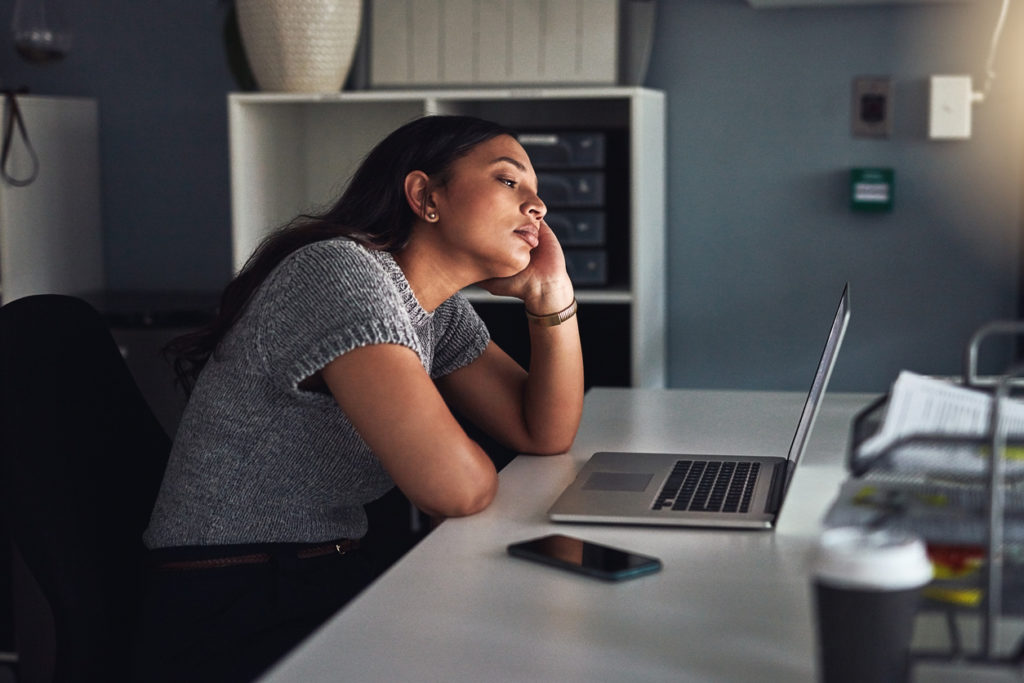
<point>12,120</point>
<point>990,69</point>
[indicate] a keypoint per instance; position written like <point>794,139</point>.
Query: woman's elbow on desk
<point>454,479</point>
<point>469,500</point>
<point>550,447</point>
<point>551,432</point>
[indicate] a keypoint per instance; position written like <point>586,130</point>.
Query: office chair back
<point>81,458</point>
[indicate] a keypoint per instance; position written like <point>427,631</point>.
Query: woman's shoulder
<point>333,270</point>
<point>332,249</point>
<point>335,259</point>
<point>321,284</point>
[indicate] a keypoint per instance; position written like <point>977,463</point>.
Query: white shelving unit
<point>293,153</point>
<point>50,232</point>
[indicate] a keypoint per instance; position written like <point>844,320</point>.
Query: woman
<point>332,373</point>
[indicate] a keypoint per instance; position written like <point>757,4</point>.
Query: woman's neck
<point>432,277</point>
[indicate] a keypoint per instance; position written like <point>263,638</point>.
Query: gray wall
<point>760,236</point>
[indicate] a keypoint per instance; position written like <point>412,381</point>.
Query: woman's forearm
<point>553,393</point>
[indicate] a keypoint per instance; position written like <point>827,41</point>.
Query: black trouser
<point>232,623</point>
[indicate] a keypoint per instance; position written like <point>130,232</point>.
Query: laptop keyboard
<point>702,486</point>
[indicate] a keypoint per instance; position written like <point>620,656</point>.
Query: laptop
<point>670,489</point>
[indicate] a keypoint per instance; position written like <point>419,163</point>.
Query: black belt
<point>302,553</point>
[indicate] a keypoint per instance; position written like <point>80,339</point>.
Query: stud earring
<point>431,216</point>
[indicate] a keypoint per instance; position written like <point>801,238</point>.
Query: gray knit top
<point>256,459</point>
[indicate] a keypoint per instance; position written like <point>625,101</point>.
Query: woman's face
<point>489,212</point>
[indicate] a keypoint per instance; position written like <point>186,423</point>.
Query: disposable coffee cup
<point>867,585</point>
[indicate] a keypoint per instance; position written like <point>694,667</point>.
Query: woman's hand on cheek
<point>544,278</point>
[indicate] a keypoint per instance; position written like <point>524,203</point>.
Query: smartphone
<point>584,557</point>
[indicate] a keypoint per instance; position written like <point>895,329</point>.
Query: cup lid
<point>857,557</point>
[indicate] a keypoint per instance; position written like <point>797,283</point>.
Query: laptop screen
<point>820,383</point>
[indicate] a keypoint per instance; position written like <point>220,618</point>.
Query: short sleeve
<point>461,336</point>
<point>321,302</point>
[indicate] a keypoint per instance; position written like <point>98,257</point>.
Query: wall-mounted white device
<point>949,112</point>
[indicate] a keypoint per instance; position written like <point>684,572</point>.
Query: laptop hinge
<point>780,478</point>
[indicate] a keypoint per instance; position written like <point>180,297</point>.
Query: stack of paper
<point>923,406</point>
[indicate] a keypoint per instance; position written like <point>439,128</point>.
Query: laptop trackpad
<point>618,481</point>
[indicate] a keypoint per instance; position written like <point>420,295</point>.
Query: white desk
<point>728,605</point>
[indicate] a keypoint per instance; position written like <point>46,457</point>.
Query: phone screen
<point>592,559</point>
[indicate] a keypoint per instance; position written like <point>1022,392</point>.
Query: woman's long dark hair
<point>372,211</point>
